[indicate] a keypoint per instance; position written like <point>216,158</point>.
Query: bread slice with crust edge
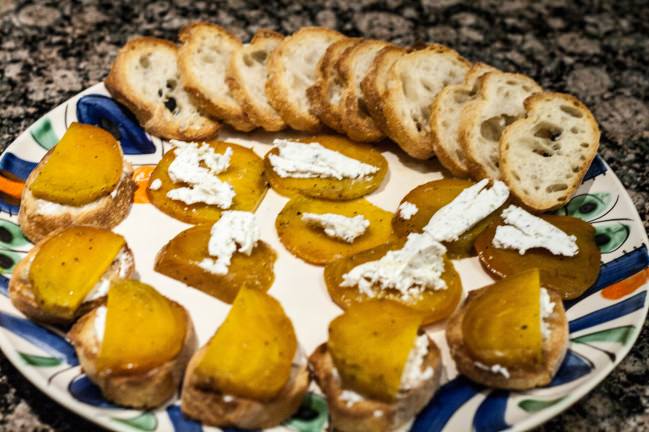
<point>369,415</point>
<point>141,390</point>
<point>246,76</point>
<point>554,350</point>
<point>215,408</point>
<point>139,81</point>
<point>545,155</point>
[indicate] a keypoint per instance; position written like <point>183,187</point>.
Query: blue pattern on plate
<point>609,313</point>
<point>448,399</point>
<point>4,286</point>
<point>490,415</point>
<point>596,168</point>
<point>614,271</point>
<point>84,390</point>
<point>17,166</point>
<point>41,337</point>
<point>573,367</point>
<point>104,112</point>
<point>181,423</point>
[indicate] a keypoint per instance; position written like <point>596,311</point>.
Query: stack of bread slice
<point>478,121</point>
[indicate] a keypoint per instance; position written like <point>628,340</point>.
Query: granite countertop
<point>598,50</point>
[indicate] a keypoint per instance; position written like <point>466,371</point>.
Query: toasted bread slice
<point>246,77</point>
<point>203,60</point>
<point>499,102</point>
<point>292,70</point>
<point>445,120</point>
<point>545,155</point>
<point>326,94</point>
<point>22,295</point>
<point>554,350</point>
<point>412,84</point>
<point>373,85</point>
<point>217,409</point>
<point>357,122</point>
<point>143,390</point>
<point>38,217</point>
<point>368,415</point>
<point>145,78</point>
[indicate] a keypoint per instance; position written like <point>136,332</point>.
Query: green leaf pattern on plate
<point>145,421</point>
<point>43,133</point>
<point>611,235</point>
<point>587,206</point>
<point>616,334</point>
<point>39,360</point>
<point>311,416</point>
<point>534,405</point>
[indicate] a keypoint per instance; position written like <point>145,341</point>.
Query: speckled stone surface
<point>597,50</point>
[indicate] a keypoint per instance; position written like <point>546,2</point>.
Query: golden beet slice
<point>433,305</point>
<point>251,354</point>
<point>69,264</point>
<point>180,257</point>
<point>330,188</point>
<point>144,329</point>
<point>429,198</point>
<point>245,174</point>
<point>568,276</point>
<point>502,323</point>
<point>84,166</point>
<point>310,242</point>
<point>370,344</point>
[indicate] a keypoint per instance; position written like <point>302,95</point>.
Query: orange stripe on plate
<point>626,286</point>
<point>141,177</point>
<point>11,187</point>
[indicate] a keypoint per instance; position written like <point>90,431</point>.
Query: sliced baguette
<point>499,102</point>
<point>545,155</point>
<point>368,415</point>
<point>357,122</point>
<point>217,409</point>
<point>412,84</point>
<point>203,60</point>
<point>373,85</point>
<point>141,390</point>
<point>38,217</point>
<point>554,350</point>
<point>145,78</point>
<point>445,120</point>
<point>292,70</point>
<point>23,298</point>
<point>325,95</point>
<point>246,77</point>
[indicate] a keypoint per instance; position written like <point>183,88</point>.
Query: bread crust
<point>356,119</point>
<point>373,85</point>
<point>363,416</point>
<point>414,138</point>
<point>223,107</point>
<point>217,409</point>
<point>106,212</point>
<point>554,350</point>
<point>23,299</point>
<point>586,154</point>
<point>143,390</point>
<point>258,114</point>
<point>328,81</point>
<point>294,107</point>
<point>154,117</point>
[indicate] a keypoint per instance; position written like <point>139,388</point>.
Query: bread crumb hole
<point>247,60</point>
<point>259,56</point>
<point>575,169</point>
<point>145,62</point>
<point>492,128</point>
<point>574,130</point>
<point>461,97</point>
<point>571,111</point>
<point>585,145</point>
<point>556,187</point>
<point>548,131</point>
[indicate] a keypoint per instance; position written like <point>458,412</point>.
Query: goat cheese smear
<point>407,210</point>
<point>198,165</point>
<point>100,323</point>
<point>467,209</point>
<point>338,226</point>
<point>524,231</point>
<point>116,270</point>
<point>312,160</point>
<point>235,231</point>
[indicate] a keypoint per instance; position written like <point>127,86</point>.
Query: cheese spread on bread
<point>312,160</point>
<point>525,231</point>
<point>338,226</point>
<point>412,374</point>
<point>235,231</point>
<point>100,323</point>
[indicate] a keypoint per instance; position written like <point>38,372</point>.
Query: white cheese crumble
<point>198,165</point>
<point>350,397</point>
<point>412,374</point>
<point>338,226</point>
<point>312,160</point>
<point>228,398</point>
<point>495,369</point>
<point>377,413</point>
<point>407,210</point>
<point>525,231</point>
<point>410,270</point>
<point>235,231</point>
<point>547,308</point>
<point>100,323</point>
<point>467,209</point>
<point>155,184</point>
<point>117,269</point>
